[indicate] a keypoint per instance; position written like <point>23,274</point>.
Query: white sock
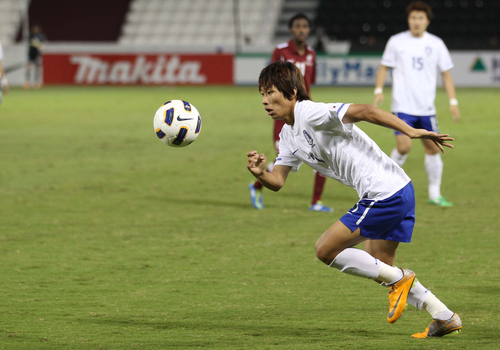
<point>417,295</point>
<point>422,298</point>
<point>434,169</point>
<point>436,308</point>
<point>359,263</point>
<point>389,274</point>
<point>398,158</point>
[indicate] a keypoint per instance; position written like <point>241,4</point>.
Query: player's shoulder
<point>433,38</point>
<point>309,109</point>
<point>311,49</point>
<point>402,36</point>
<point>310,105</point>
<point>282,45</point>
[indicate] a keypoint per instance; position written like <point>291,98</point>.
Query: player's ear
<point>294,96</point>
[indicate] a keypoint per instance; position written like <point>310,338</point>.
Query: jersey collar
<point>293,48</point>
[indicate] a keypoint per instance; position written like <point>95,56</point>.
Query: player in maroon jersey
<point>303,56</point>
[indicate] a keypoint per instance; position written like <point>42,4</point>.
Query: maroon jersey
<point>306,63</point>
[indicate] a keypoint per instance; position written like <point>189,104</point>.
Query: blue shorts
<point>428,123</point>
<point>392,218</point>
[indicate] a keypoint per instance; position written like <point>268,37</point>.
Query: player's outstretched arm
<point>371,114</point>
<point>449,86</point>
<point>274,180</point>
<point>378,98</point>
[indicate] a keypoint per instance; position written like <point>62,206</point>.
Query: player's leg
<point>418,296</point>
<point>255,187</point>
<point>334,248</point>
<point>433,164</point>
<point>28,75</point>
<point>403,147</point>
<point>403,142</point>
<point>319,185</point>
<point>37,78</point>
<point>384,250</point>
<point>444,321</point>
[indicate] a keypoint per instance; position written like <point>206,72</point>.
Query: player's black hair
<point>286,77</point>
<point>419,6</point>
<point>298,16</point>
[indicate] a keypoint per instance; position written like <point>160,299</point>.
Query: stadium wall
<point>472,69</point>
<point>118,65</point>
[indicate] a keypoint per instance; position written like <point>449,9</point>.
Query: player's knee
<point>324,252</point>
<point>404,149</point>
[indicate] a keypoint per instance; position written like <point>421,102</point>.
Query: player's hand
<point>439,140</point>
<point>256,163</point>
<point>455,113</point>
<point>5,88</point>
<point>378,100</point>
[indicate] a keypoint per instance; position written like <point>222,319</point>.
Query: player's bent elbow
<point>276,187</point>
<point>370,112</point>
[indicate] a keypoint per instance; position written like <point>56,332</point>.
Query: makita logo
<point>163,70</point>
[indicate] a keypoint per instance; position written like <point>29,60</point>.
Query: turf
<point>112,240</point>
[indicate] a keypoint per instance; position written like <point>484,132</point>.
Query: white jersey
<point>1,52</point>
<point>415,63</point>
<point>337,150</point>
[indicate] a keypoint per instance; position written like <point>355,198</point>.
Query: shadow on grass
<point>206,333</point>
<point>490,290</point>
<point>211,202</point>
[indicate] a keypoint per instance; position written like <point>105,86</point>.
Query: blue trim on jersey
<point>391,219</point>
<point>340,108</point>
<point>428,122</point>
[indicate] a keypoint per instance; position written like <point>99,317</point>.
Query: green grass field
<point>111,240</point>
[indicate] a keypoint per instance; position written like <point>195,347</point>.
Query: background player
<point>303,56</point>
<point>415,56</point>
<point>36,41</point>
<point>3,78</point>
<point>385,213</point>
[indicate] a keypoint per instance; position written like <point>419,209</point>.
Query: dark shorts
<point>392,218</point>
<point>34,56</point>
<point>428,123</point>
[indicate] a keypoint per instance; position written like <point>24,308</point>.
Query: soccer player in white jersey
<point>415,57</point>
<point>3,78</point>
<point>323,136</point>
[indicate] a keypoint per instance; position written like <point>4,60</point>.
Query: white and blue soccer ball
<point>177,123</point>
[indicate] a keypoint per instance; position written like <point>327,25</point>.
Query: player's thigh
<point>337,238</point>
<point>384,250</point>
<point>430,147</point>
<point>403,144</point>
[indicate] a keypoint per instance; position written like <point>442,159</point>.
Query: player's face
<point>300,30</point>
<point>418,23</point>
<point>277,106</point>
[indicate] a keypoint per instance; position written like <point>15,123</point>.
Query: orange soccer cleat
<point>398,294</point>
<point>439,328</point>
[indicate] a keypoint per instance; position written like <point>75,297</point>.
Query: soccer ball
<point>177,123</point>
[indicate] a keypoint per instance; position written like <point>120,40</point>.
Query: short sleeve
<point>1,52</point>
<point>286,156</point>
<point>445,62</point>
<point>389,58</point>
<point>332,119</point>
<point>276,55</point>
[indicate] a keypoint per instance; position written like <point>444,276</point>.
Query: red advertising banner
<point>137,69</point>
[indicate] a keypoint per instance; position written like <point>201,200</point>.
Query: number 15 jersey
<point>415,62</point>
